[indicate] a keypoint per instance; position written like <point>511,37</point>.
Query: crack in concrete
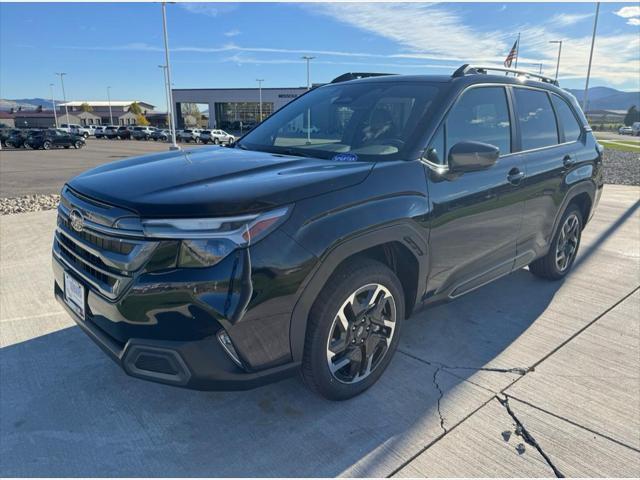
<point>440,396</point>
<point>442,366</point>
<point>522,431</point>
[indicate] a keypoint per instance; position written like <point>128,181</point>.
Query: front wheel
<point>216,141</point>
<point>46,145</point>
<point>77,145</point>
<point>353,331</point>
<point>564,247</point>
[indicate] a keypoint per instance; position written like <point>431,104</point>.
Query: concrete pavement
<point>520,378</point>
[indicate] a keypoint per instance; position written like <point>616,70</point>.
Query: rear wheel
<point>564,247</point>
<point>216,141</point>
<point>353,330</point>
<point>77,145</point>
<point>46,145</point>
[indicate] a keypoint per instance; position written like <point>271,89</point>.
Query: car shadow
<point>69,411</point>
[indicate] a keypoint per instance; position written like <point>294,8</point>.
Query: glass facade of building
<point>230,114</point>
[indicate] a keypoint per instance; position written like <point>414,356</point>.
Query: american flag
<point>512,55</point>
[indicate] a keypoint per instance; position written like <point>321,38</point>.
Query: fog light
<point>225,341</point>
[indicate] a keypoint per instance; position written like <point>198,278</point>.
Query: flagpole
<point>593,42</point>
<point>517,50</point>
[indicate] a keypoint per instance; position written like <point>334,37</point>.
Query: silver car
<point>216,137</point>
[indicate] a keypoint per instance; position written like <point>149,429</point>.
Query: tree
<point>141,120</point>
<point>85,107</point>
<point>135,108</point>
<point>632,116</point>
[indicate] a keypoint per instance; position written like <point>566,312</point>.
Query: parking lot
<point>25,172</point>
<point>522,377</point>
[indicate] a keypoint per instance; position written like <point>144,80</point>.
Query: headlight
<point>206,241</point>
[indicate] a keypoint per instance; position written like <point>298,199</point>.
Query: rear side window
<point>568,122</point>
<point>481,115</point>
<point>537,121</point>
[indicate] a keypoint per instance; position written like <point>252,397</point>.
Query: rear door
<point>477,215</point>
<point>551,142</point>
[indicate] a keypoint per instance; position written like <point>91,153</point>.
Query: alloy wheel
<point>361,333</point>
<point>567,242</point>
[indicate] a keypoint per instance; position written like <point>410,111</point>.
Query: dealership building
<point>227,107</point>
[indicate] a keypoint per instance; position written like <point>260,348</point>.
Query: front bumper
<point>200,364</point>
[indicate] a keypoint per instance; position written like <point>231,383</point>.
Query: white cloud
<point>232,33</point>
<point>567,19</point>
<point>634,21</point>
<point>208,9</point>
<point>628,12</point>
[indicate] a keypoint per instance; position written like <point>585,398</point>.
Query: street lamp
<point>109,101</point>
<point>308,59</point>
<point>166,88</point>
<point>64,96</point>
<point>593,42</point>
<point>53,103</point>
<point>559,42</point>
<point>174,145</point>
<point>260,80</point>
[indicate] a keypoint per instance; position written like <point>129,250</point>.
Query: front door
<point>476,216</point>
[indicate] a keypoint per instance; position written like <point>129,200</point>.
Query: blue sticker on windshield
<point>345,157</point>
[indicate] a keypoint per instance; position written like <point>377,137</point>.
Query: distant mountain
<point>25,103</point>
<point>605,98</point>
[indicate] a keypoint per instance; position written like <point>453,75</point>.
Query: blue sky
<point>230,45</point>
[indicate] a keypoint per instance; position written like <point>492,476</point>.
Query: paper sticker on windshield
<point>345,157</point>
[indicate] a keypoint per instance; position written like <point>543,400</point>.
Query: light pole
<point>174,145</point>
<point>308,60</point>
<point>109,101</point>
<point>593,42</point>
<point>53,103</point>
<point>559,42</point>
<point>166,87</point>
<point>64,96</point>
<point>260,80</point>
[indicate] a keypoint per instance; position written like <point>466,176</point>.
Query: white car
<point>625,130</point>
<point>76,129</point>
<point>189,135</point>
<point>635,128</point>
<point>216,137</point>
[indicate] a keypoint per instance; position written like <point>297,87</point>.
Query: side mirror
<point>472,156</point>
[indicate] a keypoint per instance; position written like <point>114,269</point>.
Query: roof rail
<point>467,69</point>
<point>345,77</point>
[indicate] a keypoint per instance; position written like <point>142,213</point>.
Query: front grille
<point>71,255</point>
<point>115,245</point>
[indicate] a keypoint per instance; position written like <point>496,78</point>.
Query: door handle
<point>568,161</point>
<point>515,176</point>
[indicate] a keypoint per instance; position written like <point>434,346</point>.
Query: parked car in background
<point>189,135</point>
<point>635,128</point>
<point>161,135</point>
<point>625,130</point>
<point>52,138</point>
<point>216,137</point>
<point>76,129</point>
<point>124,133</point>
<point>142,133</point>
<point>17,138</point>
<point>111,132</point>
<point>4,135</point>
<point>98,132</point>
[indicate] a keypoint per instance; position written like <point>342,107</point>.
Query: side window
<point>436,150</point>
<point>537,122</point>
<point>481,115</point>
<point>567,118</point>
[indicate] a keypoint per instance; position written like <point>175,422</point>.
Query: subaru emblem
<point>77,220</point>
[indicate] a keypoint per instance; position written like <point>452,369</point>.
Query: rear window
<point>206,132</point>
<point>187,131</point>
<point>569,124</point>
<point>137,129</point>
<point>537,122</point>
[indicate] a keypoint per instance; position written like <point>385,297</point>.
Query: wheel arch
<point>401,247</point>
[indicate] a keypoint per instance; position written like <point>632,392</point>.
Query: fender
<point>588,187</point>
<point>402,232</point>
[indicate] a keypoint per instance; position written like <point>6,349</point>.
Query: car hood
<point>214,181</point>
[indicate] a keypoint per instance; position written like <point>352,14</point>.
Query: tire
<point>359,334</point>
<point>67,147</point>
<point>216,141</point>
<point>77,145</point>
<point>559,260</point>
<point>85,135</point>
<point>46,145</point>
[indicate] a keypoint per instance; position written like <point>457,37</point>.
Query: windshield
<point>358,121</point>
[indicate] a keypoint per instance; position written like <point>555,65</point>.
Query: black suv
<point>47,139</point>
<point>306,245</point>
